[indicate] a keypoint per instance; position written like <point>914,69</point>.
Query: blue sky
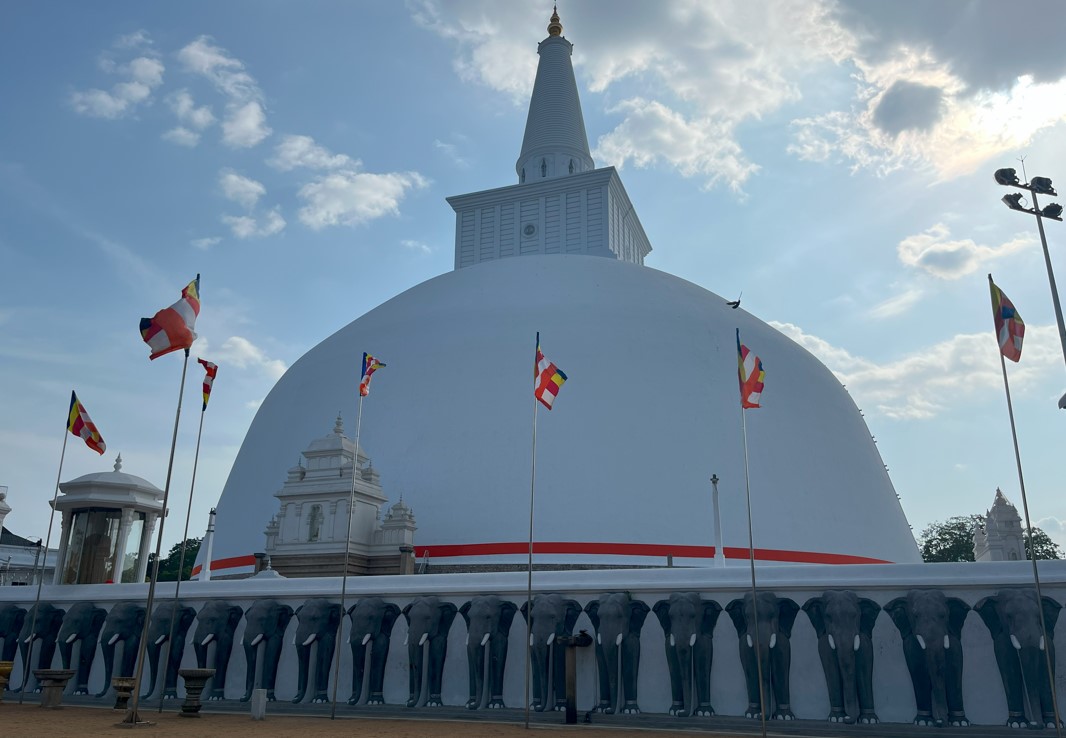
<point>833,161</point>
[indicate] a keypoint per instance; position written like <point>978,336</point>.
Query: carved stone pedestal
<point>53,682</point>
<point>5,676</point>
<point>195,679</point>
<point>123,687</point>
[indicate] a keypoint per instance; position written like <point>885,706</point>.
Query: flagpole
<point>44,561</point>
<point>181,560</point>
<point>529,571</point>
<point>1032,552</point>
<point>751,561</point>
<point>132,718</point>
<point>347,549</point>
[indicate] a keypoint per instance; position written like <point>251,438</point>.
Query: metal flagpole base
<point>133,720</point>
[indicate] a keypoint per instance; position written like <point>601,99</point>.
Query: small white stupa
<point>1000,539</point>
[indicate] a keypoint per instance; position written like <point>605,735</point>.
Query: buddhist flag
<point>209,378</point>
<point>1009,325</point>
<point>547,378</point>
<point>80,424</point>
<point>751,375</point>
<point>370,365</point>
<point>172,328</point>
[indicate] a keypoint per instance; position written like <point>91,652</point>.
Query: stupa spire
<point>555,143</point>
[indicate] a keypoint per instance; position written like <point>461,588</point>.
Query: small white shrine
<point>108,520</point>
<point>1000,539</point>
<point>307,536</point>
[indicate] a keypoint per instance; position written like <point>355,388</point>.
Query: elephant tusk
<point>618,640</point>
<point>531,639</point>
<point>30,638</point>
<point>832,643</point>
<point>485,638</point>
<point>672,641</point>
<point>309,640</point>
<point>160,639</point>
<point>599,639</point>
<point>1014,642</point>
<point>550,640</point>
<point>211,636</point>
<point>692,640</point>
<point>947,643</point>
<point>750,644</point>
<point>407,638</point>
<point>921,641</point>
<point>423,639</point>
<point>114,640</point>
<point>856,647</point>
<point>773,640</point>
<point>74,636</point>
<point>1041,643</point>
<point>255,641</point>
<point>366,639</point>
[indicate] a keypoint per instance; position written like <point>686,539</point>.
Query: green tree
<point>952,540</point>
<point>168,567</point>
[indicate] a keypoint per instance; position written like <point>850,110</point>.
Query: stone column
<point>332,521</point>
<point>120,545</point>
<point>61,556</point>
<point>146,540</point>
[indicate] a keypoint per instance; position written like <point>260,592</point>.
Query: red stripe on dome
<point>230,563</point>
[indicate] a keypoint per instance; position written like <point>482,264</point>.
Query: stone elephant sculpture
<point>618,620</point>
<point>167,616</point>
<point>82,622</point>
<point>265,622</point>
<point>766,622</point>
<point>488,623</point>
<point>931,627</point>
<point>372,622</point>
<point>688,626</point>
<point>44,628</point>
<point>318,619</point>
<point>553,617</point>
<point>125,623</point>
<point>11,619</point>
<point>844,623</point>
<point>428,621</point>
<point>216,623</point>
<point>1013,619</point>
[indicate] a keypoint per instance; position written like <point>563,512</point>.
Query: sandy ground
<point>17,721</point>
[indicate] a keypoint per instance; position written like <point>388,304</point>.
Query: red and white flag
<point>171,328</point>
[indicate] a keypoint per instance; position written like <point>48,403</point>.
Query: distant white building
<point>1000,538</point>
<point>20,557</point>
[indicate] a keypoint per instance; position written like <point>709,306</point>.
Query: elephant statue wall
<point>553,617</point>
<point>767,622</point>
<point>11,619</point>
<point>44,628</point>
<point>265,623</point>
<point>82,622</point>
<point>216,623</point>
<point>844,623</point>
<point>372,623</point>
<point>428,621</point>
<point>931,627</point>
<point>125,623</point>
<point>618,621</point>
<point>166,616</point>
<point>488,622</point>
<point>318,620</point>
<point>1013,619</point>
<point>688,626</point>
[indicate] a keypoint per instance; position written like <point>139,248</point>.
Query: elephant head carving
<point>264,622</point>
<point>844,623</point>
<point>428,622</point>
<point>931,627</point>
<point>553,617</point>
<point>688,626</point>
<point>372,623</point>
<point>124,624</point>
<point>44,628</point>
<point>216,623</point>
<point>1013,618</point>
<point>764,626</point>
<point>169,625</point>
<point>318,621</point>
<point>618,620</point>
<point>81,623</point>
<point>11,619</point>
<point>488,623</point>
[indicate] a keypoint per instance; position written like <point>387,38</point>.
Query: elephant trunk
<point>153,660</point>
<point>767,642</point>
<point>611,654</point>
<point>1034,673</point>
<point>684,662</point>
<point>936,663</point>
<point>845,649</point>
<point>475,656</point>
<point>540,666</point>
<point>415,656</point>
<point>303,657</point>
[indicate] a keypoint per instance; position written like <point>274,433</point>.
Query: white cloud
<point>348,197</point>
<point>934,251</point>
<point>246,226</point>
<point>142,75</point>
<point>923,384</point>
<point>451,151</point>
<point>245,125</point>
<point>183,106</point>
<point>302,151</point>
<point>204,243</point>
<point>242,190</point>
<point>242,353</point>
<point>1055,528</point>
<point>420,246</point>
<point>897,304</point>
<point>182,137</point>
